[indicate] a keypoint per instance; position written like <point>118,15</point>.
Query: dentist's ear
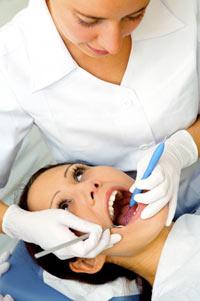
<point>88,265</point>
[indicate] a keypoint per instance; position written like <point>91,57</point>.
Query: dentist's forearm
<point>3,208</point>
<point>194,131</point>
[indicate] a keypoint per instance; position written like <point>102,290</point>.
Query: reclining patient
<point>166,257</point>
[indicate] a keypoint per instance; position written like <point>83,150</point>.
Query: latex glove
<point>6,298</point>
<point>163,184</point>
<point>4,266</point>
<point>49,228</point>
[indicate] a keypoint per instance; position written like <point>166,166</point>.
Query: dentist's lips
<point>123,214</point>
<point>97,51</point>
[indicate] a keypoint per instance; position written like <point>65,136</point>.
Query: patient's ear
<point>88,265</point>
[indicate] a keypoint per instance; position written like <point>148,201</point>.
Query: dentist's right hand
<point>51,227</point>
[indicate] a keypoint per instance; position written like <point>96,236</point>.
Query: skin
<point>106,28</point>
<point>111,33</point>
<point>83,191</point>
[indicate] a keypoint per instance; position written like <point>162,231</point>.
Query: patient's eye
<point>64,204</point>
<point>77,172</point>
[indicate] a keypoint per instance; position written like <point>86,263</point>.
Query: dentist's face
<point>100,195</point>
<point>97,27</point>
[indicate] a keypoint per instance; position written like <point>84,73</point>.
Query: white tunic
<point>178,274</point>
<point>83,117</point>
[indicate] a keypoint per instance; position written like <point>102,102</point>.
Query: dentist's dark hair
<point>61,268</point>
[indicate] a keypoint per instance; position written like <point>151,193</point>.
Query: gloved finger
<point>4,267</point>
<point>102,245</point>
<point>153,208</point>
<point>80,248</point>
<point>76,223</point>
<point>105,243</point>
<point>172,210</point>
<point>8,298</point>
<point>155,179</point>
<point>155,194</point>
<point>115,238</point>
<point>4,256</point>
<point>88,245</point>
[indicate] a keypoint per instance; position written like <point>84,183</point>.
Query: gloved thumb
<point>115,238</point>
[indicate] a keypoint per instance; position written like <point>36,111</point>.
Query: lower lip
<point>97,51</point>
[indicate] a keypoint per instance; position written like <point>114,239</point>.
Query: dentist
<point>105,82</point>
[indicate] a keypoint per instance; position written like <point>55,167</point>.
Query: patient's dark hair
<point>61,268</point>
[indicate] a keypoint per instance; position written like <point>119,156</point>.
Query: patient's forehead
<point>44,187</point>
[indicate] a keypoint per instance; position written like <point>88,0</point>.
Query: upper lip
<point>108,194</point>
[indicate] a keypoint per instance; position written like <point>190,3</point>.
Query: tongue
<point>125,215</point>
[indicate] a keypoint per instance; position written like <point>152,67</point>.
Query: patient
<point>100,195</point>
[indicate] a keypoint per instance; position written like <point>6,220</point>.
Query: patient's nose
<point>90,190</point>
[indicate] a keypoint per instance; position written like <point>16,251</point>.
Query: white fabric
<point>162,185</point>
<point>39,85</point>
<point>178,274</point>
<point>85,292</point>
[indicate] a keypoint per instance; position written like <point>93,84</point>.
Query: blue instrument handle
<point>152,164</point>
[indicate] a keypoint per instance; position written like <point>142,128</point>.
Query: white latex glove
<point>49,228</point>
<point>4,266</point>
<point>6,298</point>
<point>163,184</point>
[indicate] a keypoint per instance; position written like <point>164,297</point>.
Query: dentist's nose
<point>111,38</point>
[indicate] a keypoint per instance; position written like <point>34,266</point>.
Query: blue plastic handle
<point>152,164</point>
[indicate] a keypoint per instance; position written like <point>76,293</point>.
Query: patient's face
<point>100,195</point>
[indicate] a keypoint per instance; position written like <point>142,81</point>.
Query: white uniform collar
<point>49,58</point>
<point>159,20</point>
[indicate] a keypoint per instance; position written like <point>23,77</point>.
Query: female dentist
<point>107,81</point>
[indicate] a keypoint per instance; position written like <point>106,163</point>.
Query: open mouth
<point>119,210</point>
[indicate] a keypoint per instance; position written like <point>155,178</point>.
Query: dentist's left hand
<point>51,227</point>
<point>4,267</point>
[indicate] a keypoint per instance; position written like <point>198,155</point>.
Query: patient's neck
<point>146,262</point>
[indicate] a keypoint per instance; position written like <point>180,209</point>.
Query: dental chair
<point>24,280</point>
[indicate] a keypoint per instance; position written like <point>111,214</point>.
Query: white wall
<point>8,8</point>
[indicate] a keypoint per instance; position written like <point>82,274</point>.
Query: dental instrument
<point>66,244</point>
<point>152,164</point>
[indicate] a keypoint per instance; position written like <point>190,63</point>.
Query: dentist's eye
<point>78,172</point>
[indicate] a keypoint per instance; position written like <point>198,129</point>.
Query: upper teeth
<point>111,202</point>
